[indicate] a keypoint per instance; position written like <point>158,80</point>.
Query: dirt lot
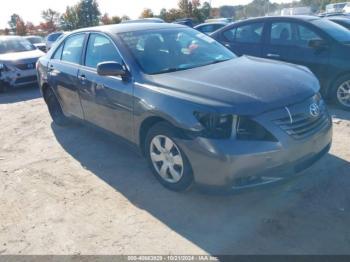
<point>79,191</point>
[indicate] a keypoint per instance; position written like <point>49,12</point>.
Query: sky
<point>30,10</point>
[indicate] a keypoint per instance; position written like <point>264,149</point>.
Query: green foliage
<point>146,13</point>
<point>13,22</point>
<point>85,14</point>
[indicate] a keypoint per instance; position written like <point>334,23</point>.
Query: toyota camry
<point>198,113</point>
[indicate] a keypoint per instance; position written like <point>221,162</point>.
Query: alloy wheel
<point>343,93</point>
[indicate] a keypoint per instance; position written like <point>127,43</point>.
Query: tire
<point>55,109</point>
<point>341,89</point>
<point>173,170</point>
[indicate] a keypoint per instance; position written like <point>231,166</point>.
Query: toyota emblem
<point>314,110</point>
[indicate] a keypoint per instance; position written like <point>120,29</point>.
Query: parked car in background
<point>51,38</point>
<point>341,20</point>
<point>317,43</point>
<point>185,21</point>
<point>37,41</point>
<point>144,20</point>
<point>220,19</point>
<point>208,28</point>
<point>198,113</point>
<point>17,62</point>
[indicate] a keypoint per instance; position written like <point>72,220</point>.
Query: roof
<point>211,23</point>
<point>288,17</point>
<point>339,18</point>
<point>129,27</point>
<point>6,37</point>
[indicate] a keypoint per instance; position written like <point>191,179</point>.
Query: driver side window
<point>305,35</point>
<point>100,49</point>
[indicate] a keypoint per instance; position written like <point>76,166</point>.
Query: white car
<point>18,58</point>
<point>52,38</point>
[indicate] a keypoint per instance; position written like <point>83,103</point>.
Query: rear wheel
<point>166,159</point>
<point>55,109</point>
<point>341,92</point>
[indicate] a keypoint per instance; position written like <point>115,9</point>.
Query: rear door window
<point>248,34</point>
<point>282,33</point>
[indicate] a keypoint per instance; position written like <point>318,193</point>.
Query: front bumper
<point>19,77</point>
<point>235,165</point>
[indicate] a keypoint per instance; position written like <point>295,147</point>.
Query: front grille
<point>26,79</point>
<point>303,124</point>
<point>27,66</point>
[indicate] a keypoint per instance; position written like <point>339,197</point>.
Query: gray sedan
<point>197,112</point>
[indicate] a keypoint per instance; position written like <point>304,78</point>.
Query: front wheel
<point>341,92</point>
<point>55,109</point>
<point>166,159</point>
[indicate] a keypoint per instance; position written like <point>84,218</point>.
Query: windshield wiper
<point>217,61</point>
<point>171,69</point>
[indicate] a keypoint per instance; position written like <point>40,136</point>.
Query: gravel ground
<point>79,191</point>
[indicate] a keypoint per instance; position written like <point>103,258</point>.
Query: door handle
<point>273,55</point>
<point>82,77</point>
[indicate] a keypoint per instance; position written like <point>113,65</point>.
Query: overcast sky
<point>30,10</point>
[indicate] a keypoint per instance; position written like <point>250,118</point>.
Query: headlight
<point>248,129</point>
<point>217,126</point>
<point>6,68</point>
<point>225,126</point>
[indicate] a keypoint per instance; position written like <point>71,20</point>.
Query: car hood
<point>245,85</point>
<point>16,57</point>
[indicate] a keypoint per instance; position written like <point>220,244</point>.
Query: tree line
<point>87,13</point>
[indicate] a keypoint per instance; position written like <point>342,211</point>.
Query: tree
<point>13,22</point>
<point>185,6</point>
<point>206,9</point>
<point>51,20</point>
<point>70,19</point>
<point>146,13</point>
<point>116,20</point>
<point>17,25</point>
<point>125,18</point>
<point>106,20</point>
<point>30,28</point>
<point>21,28</point>
<point>85,14</point>
<point>88,13</point>
<point>173,15</point>
<point>227,11</point>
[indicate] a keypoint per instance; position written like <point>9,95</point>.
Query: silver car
<point>17,62</point>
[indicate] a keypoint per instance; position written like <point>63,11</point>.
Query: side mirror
<point>318,44</point>
<point>111,69</point>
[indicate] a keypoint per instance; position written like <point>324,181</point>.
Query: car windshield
<point>11,45</point>
<point>164,50</point>
<point>338,32</point>
<point>35,39</point>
